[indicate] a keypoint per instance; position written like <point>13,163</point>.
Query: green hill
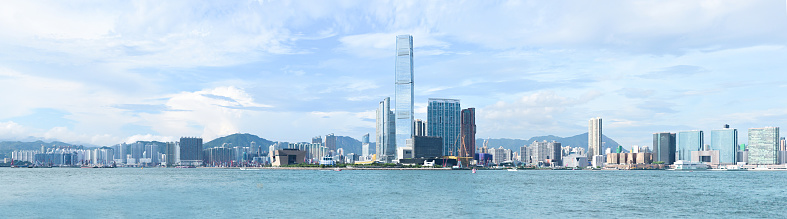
<point>238,140</point>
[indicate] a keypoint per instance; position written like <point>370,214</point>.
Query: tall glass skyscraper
<point>443,120</point>
<point>386,134</point>
<point>726,141</point>
<point>763,145</point>
<point>468,130</point>
<point>404,89</point>
<point>664,147</point>
<point>689,141</point>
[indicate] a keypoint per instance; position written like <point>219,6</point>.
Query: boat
<point>513,169</point>
<point>337,169</point>
<point>690,165</point>
<point>327,160</point>
<point>473,170</point>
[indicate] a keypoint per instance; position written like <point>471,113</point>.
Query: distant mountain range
<point>349,144</point>
<point>580,140</point>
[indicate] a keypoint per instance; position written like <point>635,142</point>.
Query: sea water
<point>234,193</point>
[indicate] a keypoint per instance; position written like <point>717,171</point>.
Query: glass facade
<point>386,134</point>
<point>443,120</point>
<point>404,89</point>
<point>763,145</point>
<point>664,147</point>
<point>689,141</point>
<point>726,142</point>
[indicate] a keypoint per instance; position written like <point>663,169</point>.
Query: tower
<point>404,89</point>
<point>386,132</point>
<point>443,120</point>
<point>594,137</point>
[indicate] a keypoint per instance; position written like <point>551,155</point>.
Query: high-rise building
<point>523,156</point>
<point>316,140</point>
<point>783,144</point>
<point>386,132</point>
<point>689,141</point>
<point>664,147</point>
<point>420,127</point>
<point>330,142</point>
<point>404,89</point>
<point>190,151</point>
<point>365,138</point>
<point>763,145</point>
<point>594,137</point>
<point>365,145</point>
<point>467,128</point>
<point>427,147</point>
<point>726,142</point>
<point>443,120</point>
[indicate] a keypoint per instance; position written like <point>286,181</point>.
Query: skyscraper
<point>386,132</point>
<point>190,151</point>
<point>664,147</point>
<point>420,128</point>
<point>594,137</point>
<point>763,145</point>
<point>330,142</point>
<point>689,141</point>
<point>783,144</point>
<point>443,121</point>
<point>404,89</point>
<point>365,145</point>
<point>467,144</point>
<point>726,141</point>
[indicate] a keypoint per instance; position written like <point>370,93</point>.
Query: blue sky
<point>106,72</point>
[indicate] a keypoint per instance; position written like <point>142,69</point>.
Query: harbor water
<point>234,193</point>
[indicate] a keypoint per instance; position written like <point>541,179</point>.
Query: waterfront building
<point>726,142</point>
<point>468,130</point>
<point>330,142</point>
<point>218,157</point>
<point>172,153</point>
<point>365,145</point>
<point>689,141</point>
<point>404,89</point>
<point>420,127</point>
<point>285,157</point>
<point>763,145</point>
<point>386,132</point>
<point>664,147</point>
<point>151,154</point>
<point>706,156</point>
<point>594,137</point>
<point>523,156</point>
<point>545,152</point>
<point>576,161</point>
<point>443,119</point>
<point>314,151</point>
<point>137,149</point>
<point>500,155</point>
<point>190,151</point>
<point>783,144</point>
<point>427,146</point>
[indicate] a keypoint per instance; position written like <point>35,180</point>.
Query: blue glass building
<point>726,142</point>
<point>689,141</point>
<point>404,89</point>
<point>443,120</point>
<point>664,147</point>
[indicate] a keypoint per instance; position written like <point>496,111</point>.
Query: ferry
<point>327,160</point>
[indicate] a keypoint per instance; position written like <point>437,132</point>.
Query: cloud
<point>636,92</point>
<point>675,71</point>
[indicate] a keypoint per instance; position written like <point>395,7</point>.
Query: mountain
<point>348,144</point>
<point>580,140</point>
<point>238,140</point>
<point>6,147</point>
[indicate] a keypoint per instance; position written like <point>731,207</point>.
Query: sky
<point>106,72</point>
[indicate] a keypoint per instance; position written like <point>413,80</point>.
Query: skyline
<point>105,73</point>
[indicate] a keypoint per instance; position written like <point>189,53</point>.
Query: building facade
<point>427,147</point>
<point>404,89</point>
<point>689,141</point>
<point>664,147</point>
<point>726,142</point>
<point>190,151</point>
<point>763,145</point>
<point>420,127</point>
<point>594,137</point>
<point>443,120</point>
<point>468,130</point>
<point>386,132</point>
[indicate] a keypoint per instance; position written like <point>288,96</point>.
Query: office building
<point>523,156</point>
<point>365,144</point>
<point>386,132</point>
<point>664,147</point>
<point>330,142</point>
<point>594,137</point>
<point>689,141</point>
<point>726,142</point>
<point>443,120</point>
<point>783,144</point>
<point>190,151</point>
<point>420,127</point>
<point>576,161</point>
<point>404,89</point>
<point>763,145</point>
<point>467,129</point>
<point>427,146</point>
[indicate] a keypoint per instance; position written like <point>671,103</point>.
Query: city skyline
<point>125,72</point>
